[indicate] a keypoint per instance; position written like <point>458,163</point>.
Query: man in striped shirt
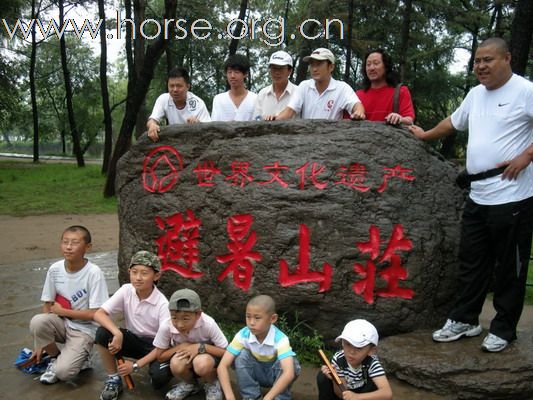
<point>263,356</point>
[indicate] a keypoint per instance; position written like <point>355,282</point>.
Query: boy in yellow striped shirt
<point>262,355</point>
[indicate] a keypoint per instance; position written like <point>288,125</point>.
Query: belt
<point>486,174</point>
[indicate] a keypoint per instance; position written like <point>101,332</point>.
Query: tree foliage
<point>423,37</point>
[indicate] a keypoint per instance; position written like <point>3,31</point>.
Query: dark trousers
<point>325,387</point>
<point>137,347</point>
<point>495,242</point>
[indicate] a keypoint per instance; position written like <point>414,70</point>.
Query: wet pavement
<point>21,286</point>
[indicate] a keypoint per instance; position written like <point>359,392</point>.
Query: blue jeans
<point>253,374</point>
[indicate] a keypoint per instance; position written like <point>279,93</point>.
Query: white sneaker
<point>181,391</point>
<point>453,330</point>
<point>49,377</point>
<point>213,390</point>
<point>493,343</point>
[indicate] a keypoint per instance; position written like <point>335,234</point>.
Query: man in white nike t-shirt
<point>497,222</point>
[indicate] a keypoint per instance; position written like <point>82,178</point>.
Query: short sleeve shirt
<point>500,127</point>
<point>329,104</point>
<point>275,346</point>
<point>225,110</point>
<point>268,104</point>
<point>165,107</point>
<point>206,330</point>
<point>84,289</point>
<point>354,376</point>
<point>143,317</point>
<point>379,102</point>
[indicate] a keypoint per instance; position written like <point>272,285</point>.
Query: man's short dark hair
<point>500,43</point>
<point>238,62</point>
<point>178,72</point>
<point>79,228</point>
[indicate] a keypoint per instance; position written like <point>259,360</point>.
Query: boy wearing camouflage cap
<point>193,343</point>
<point>144,309</point>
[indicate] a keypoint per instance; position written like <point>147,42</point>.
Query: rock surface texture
<point>335,220</point>
<point>460,369</point>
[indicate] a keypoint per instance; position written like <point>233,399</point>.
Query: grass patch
<point>34,188</point>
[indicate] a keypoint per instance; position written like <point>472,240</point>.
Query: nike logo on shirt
<point>502,104</point>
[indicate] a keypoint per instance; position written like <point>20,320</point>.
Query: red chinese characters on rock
<point>275,173</point>
<point>206,173</point>
<point>178,251</point>
<point>302,273</point>
<point>396,172</point>
<point>391,274</point>
<point>240,176</point>
<point>241,258</point>
<point>178,246</point>
<point>313,176</point>
<point>353,177</point>
<point>162,166</point>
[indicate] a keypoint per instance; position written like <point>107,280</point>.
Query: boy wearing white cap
<point>356,365</point>
<point>273,99</point>
<point>322,97</point>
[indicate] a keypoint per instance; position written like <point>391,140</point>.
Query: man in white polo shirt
<point>322,97</point>
<point>273,99</point>
<point>179,106</point>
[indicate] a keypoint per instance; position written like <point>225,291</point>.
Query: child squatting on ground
<point>194,344</point>
<point>73,290</point>
<point>262,354</point>
<point>144,309</point>
<point>356,365</point>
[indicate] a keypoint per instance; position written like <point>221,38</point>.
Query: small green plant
<point>305,340</point>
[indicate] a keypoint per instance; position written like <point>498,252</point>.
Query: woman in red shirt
<point>377,95</point>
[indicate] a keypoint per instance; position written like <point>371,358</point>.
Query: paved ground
<point>21,284</point>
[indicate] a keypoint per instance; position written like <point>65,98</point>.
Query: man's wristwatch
<point>136,367</point>
<point>201,348</point>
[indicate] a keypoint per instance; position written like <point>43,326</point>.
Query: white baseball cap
<point>359,333</point>
<point>321,54</point>
<point>280,58</point>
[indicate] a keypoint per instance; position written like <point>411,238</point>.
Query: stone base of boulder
<point>461,369</point>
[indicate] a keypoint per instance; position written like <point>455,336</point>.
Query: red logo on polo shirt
<point>329,105</point>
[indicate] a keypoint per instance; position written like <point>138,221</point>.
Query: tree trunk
<point>108,121</point>
<point>238,28</point>
<point>306,48</point>
<point>139,14</point>
<point>521,35</point>
<point>68,92</point>
<point>33,90</point>
<point>448,143</point>
<point>404,39</point>
<point>349,43</point>
<point>136,95</point>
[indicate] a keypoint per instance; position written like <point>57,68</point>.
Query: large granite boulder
<point>335,220</point>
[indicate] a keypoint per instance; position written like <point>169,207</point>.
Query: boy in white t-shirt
<point>178,106</point>
<point>238,103</point>
<point>194,344</point>
<point>322,97</point>
<point>73,290</point>
<point>144,309</point>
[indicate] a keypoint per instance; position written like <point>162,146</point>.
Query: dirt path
<point>37,237</point>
